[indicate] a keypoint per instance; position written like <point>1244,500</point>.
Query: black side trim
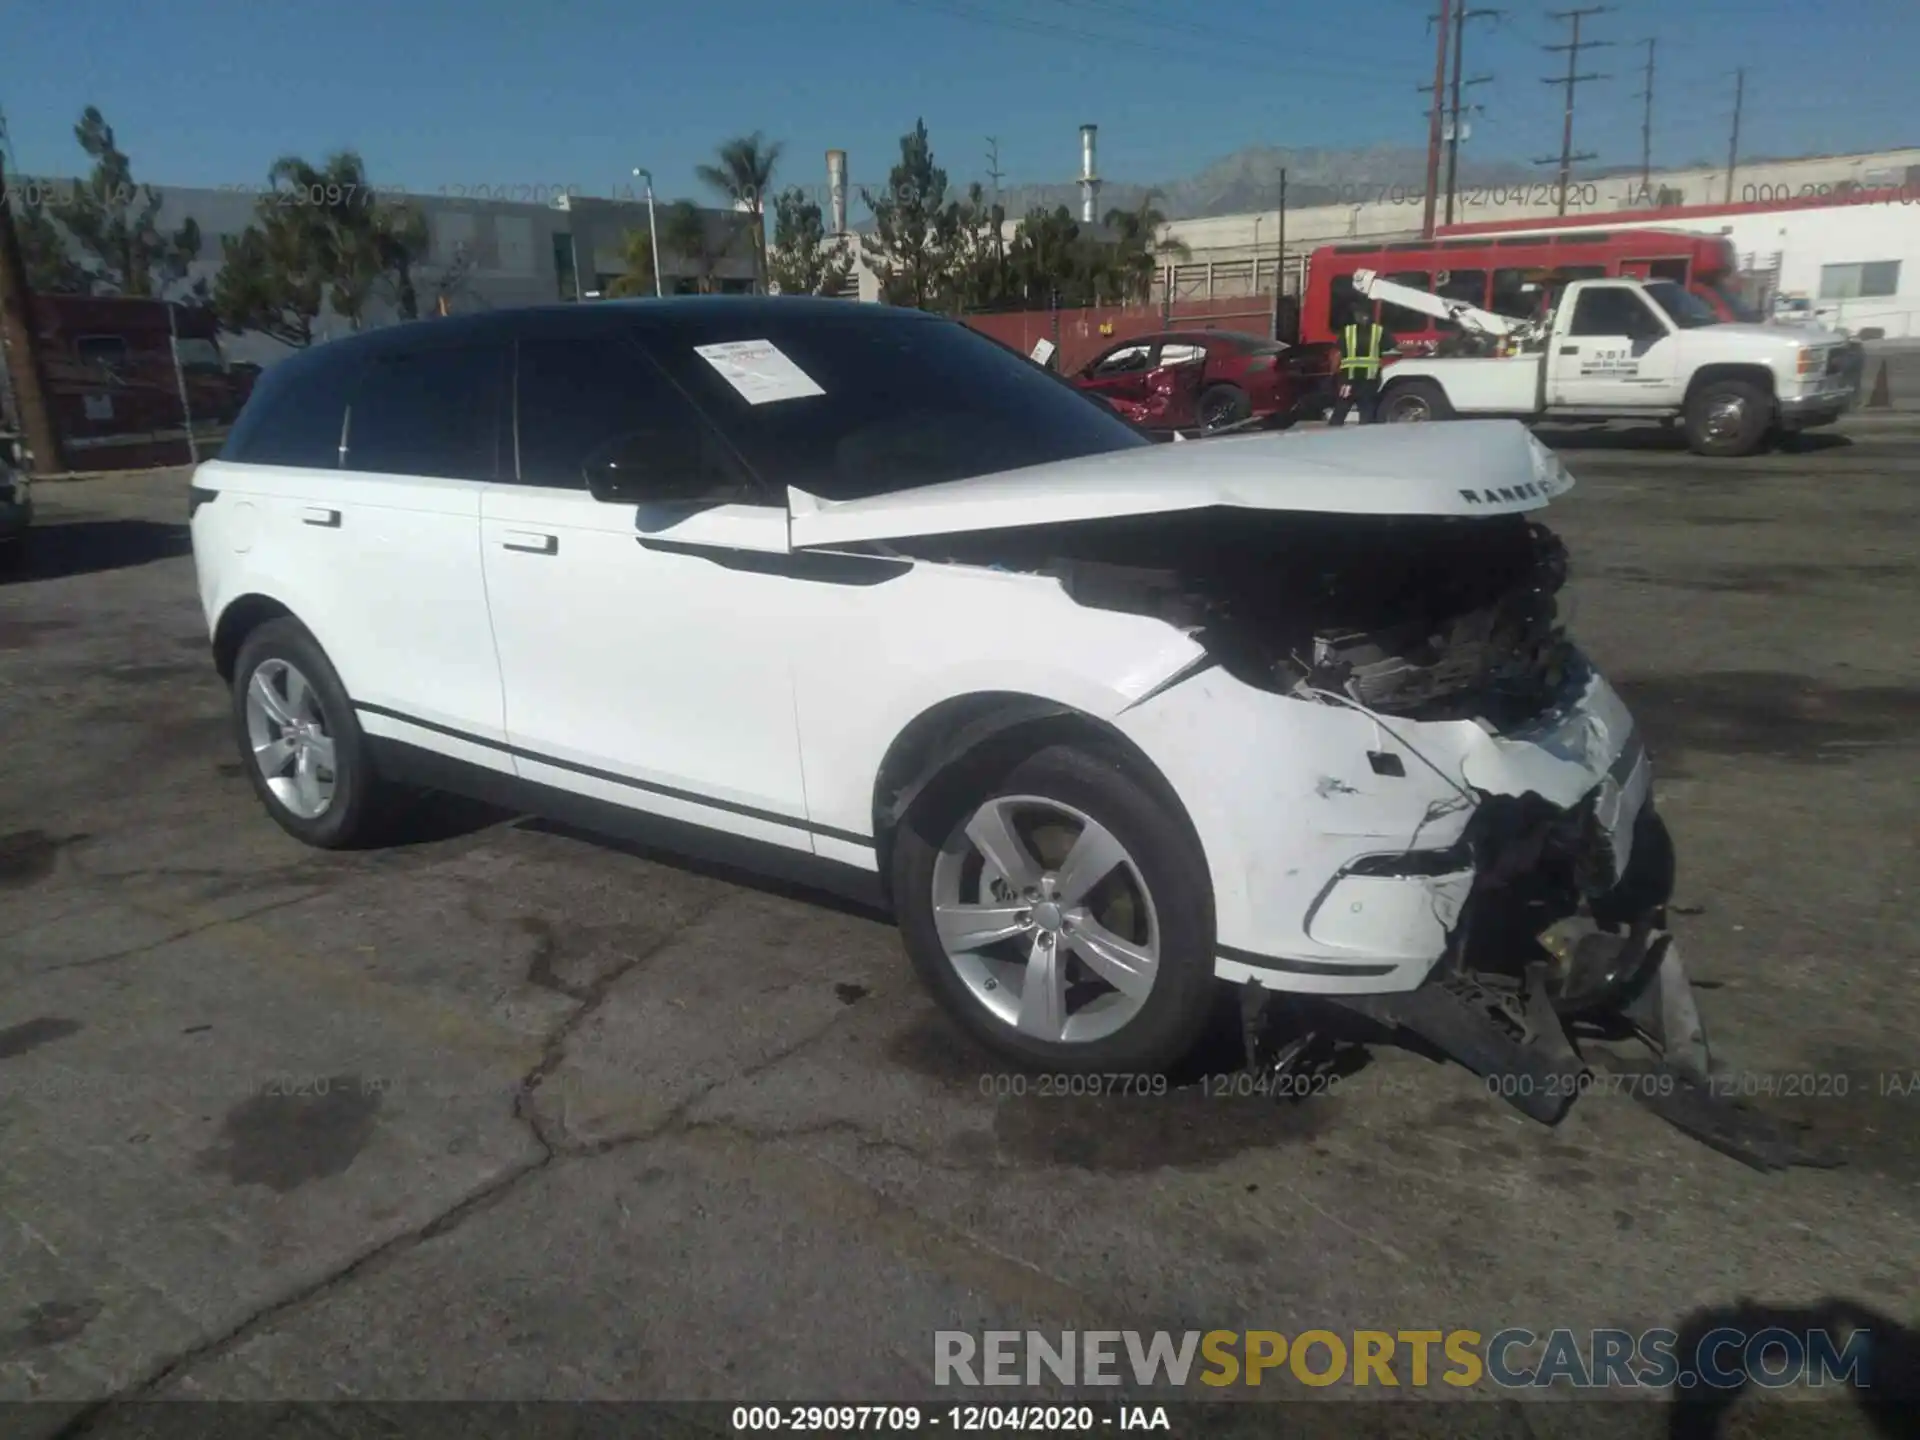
<point>828,567</point>
<point>711,802</point>
<point>407,764</point>
<point>198,495</point>
<point>1299,967</point>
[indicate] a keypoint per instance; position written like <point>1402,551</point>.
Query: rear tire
<point>301,744</point>
<point>1728,418</point>
<point>1413,402</point>
<point>1157,899</point>
<point>1223,405</point>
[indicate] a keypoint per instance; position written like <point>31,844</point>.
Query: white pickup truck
<point>1624,350</point>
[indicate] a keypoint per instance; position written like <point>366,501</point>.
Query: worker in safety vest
<point>1363,345</point>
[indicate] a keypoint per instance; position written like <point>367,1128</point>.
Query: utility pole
<point>1567,158</point>
<point>1646,127</point>
<point>22,344</point>
<point>1461,15</point>
<point>1733,145</point>
<point>1433,116</point>
<point>993,173</point>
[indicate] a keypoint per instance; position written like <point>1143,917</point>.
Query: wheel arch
<point>242,616</point>
<point>1752,372</point>
<point>964,728</point>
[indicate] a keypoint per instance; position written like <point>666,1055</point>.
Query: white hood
<point>1467,468</point>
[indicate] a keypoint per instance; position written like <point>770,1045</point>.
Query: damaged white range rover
<point>1112,726</point>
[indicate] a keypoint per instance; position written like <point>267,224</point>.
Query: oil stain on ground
<point>1770,713</point>
<point>284,1141</point>
<point>24,634</point>
<point>52,1322</point>
<point>27,856</point>
<point>32,1034</point>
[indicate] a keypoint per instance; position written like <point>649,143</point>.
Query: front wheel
<point>1728,418</point>
<point>1058,908</point>
<point>1414,402</point>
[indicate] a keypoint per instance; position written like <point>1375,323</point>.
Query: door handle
<point>1569,349</point>
<point>531,542</point>
<point>320,515</point>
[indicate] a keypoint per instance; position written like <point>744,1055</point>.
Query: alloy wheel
<point>1046,919</point>
<point>288,733</point>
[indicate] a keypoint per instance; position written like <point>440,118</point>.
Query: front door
<point>1617,352</point>
<point>1121,374</point>
<point>645,654</point>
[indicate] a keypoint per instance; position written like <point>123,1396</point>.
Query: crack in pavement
<point>201,928</point>
<point>478,1201</point>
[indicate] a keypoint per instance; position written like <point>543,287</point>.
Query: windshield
<point>902,403</point>
<point>1737,304</point>
<point>1683,307</point>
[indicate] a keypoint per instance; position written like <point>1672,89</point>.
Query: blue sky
<point>577,92</point>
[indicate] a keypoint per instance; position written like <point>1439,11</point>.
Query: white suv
<point>855,593</point>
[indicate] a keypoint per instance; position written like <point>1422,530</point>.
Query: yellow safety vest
<point>1354,363</point>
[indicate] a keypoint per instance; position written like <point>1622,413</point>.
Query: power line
<point>1570,80</point>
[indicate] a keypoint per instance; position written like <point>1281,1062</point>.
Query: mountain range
<point>1249,180</point>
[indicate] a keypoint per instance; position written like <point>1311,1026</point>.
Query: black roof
<point>696,317</point>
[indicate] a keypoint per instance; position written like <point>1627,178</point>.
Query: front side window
<point>599,401</point>
<point>1127,360</point>
<point>1613,311</point>
<point>432,412</point>
<point>903,402</point>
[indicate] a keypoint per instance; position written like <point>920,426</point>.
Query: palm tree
<point>744,177</point>
<point>1138,248</point>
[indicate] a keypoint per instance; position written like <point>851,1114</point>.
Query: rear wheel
<point>1414,402</point>
<point>1728,418</point>
<point>1223,405</point>
<point>301,745</point>
<point>1057,907</point>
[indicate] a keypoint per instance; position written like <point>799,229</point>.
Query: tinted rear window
<point>906,403</point>
<point>294,415</point>
<point>430,412</point>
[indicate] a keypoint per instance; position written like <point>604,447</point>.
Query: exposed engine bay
<point>1556,945</point>
<point>1431,618</point>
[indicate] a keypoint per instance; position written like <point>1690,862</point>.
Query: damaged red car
<point>1199,380</point>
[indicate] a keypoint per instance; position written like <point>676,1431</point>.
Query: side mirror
<point>678,465</point>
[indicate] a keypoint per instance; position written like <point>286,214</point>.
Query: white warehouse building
<point>1856,259</point>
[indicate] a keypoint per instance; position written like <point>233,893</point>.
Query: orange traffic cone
<point>1881,398</point>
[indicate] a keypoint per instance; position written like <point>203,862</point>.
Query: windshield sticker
<point>759,370</point>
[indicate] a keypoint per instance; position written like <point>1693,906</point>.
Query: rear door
<point>394,537</point>
<point>1616,351</point>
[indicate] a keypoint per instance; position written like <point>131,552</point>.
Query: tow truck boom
<point>1470,318</point>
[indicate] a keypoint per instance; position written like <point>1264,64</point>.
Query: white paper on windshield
<point>759,370</point>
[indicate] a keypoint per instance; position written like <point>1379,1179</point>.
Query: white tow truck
<point>1621,350</point>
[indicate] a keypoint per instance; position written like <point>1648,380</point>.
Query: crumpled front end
<point>1346,844</point>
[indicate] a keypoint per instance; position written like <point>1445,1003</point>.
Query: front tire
<point>1413,402</point>
<point>1728,418</point>
<point>300,743</point>
<point>1058,907</point>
